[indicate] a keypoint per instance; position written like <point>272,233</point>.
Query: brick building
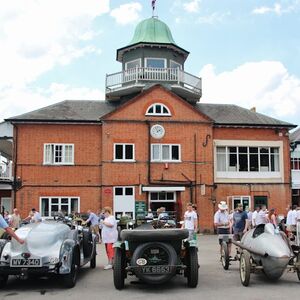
<point>150,143</point>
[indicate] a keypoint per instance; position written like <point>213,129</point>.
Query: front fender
<point>66,255</point>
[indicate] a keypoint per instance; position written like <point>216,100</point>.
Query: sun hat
<point>223,205</point>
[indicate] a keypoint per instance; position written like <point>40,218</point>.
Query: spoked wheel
<point>192,267</point>
<point>69,280</point>
<point>245,268</point>
<point>298,265</point>
<point>119,268</point>
<point>224,255</point>
<point>3,280</point>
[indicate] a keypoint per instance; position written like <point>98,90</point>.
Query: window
<point>133,64</point>
<point>158,109</point>
<point>244,200</point>
<point>158,63</point>
<point>162,196</point>
<point>58,154</point>
<point>165,153</point>
<point>295,160</point>
<point>260,200</point>
<point>175,65</point>
<point>124,152</point>
<point>49,206</point>
<point>247,159</point>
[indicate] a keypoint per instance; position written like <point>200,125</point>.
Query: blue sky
<point>247,52</point>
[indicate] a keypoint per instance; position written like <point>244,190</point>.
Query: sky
<point>247,52</point>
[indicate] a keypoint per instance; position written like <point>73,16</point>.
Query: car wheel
<point>192,267</point>
<point>224,255</point>
<point>69,280</point>
<point>245,268</point>
<point>298,263</point>
<point>156,254</point>
<point>119,268</point>
<point>3,280</point>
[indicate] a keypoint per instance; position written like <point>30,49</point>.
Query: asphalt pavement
<point>214,283</point>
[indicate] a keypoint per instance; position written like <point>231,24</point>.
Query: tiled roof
<point>92,111</point>
<point>295,136</point>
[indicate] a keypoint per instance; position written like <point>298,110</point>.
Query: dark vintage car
<point>50,248</point>
<point>155,256</point>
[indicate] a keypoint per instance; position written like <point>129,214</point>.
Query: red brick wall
<point>94,174</point>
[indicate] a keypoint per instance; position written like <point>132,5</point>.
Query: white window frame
<point>240,198</point>
<point>131,61</point>
<point>250,176</point>
<point>175,62</point>
<point>158,58</point>
<point>124,153</point>
<point>168,114</point>
<point>59,203</point>
<point>170,152</point>
<point>163,201</point>
<point>51,159</point>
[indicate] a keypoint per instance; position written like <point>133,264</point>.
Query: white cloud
<point>36,35</point>
<point>213,18</point>
<point>192,6</point>
<point>22,100</point>
<point>267,85</point>
<point>127,13</point>
<point>278,9</point>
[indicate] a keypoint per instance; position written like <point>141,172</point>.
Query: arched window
<point>158,109</point>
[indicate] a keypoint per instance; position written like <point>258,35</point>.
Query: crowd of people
<point>238,221</point>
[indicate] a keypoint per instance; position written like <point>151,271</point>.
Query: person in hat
<point>222,222</point>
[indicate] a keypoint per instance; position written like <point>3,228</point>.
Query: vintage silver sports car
<point>50,248</point>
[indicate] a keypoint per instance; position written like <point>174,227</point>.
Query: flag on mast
<point>153,4</point>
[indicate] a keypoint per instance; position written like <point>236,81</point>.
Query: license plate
<point>155,269</point>
<point>21,262</point>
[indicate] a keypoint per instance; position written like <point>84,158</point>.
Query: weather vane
<point>153,7</point>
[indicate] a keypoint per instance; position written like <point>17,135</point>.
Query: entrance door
<point>124,202</point>
<point>6,202</point>
<point>163,199</point>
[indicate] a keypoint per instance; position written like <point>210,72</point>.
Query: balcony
<point>6,171</point>
<point>295,179</point>
<point>134,80</point>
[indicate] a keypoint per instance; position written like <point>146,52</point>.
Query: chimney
<point>253,109</point>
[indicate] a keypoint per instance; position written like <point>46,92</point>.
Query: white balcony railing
<point>6,171</point>
<point>137,75</point>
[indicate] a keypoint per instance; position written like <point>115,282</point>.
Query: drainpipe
<point>15,158</point>
<point>195,166</point>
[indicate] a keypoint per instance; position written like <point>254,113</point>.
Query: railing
<point>6,170</point>
<point>135,75</point>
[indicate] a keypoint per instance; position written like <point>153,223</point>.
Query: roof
<point>92,111</point>
<point>229,114</point>
<point>152,30</point>
<point>69,111</point>
<point>295,135</point>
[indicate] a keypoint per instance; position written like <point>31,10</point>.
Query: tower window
<point>158,109</point>
<point>133,64</point>
<point>159,63</point>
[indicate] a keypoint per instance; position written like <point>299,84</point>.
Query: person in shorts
<point>222,223</point>
<point>190,221</point>
<point>94,221</point>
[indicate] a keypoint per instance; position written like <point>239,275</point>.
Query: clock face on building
<point>157,131</point>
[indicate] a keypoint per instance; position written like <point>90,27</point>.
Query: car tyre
<point>3,281</point>
<point>245,268</point>
<point>298,263</point>
<point>93,259</point>
<point>119,271</point>
<point>69,280</point>
<point>192,267</point>
<point>155,279</point>
<point>224,255</point>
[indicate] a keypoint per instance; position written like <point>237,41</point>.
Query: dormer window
<point>158,109</point>
<point>159,63</point>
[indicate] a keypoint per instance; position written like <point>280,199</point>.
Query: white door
<point>124,202</point>
<point>6,203</point>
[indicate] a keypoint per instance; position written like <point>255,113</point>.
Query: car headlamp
<point>54,260</point>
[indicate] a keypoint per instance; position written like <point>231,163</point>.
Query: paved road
<point>214,283</point>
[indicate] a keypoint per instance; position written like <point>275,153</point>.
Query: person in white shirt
<point>298,214</point>
<point>34,216</point>
<point>190,221</point>
<point>254,214</point>
<point>261,216</point>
